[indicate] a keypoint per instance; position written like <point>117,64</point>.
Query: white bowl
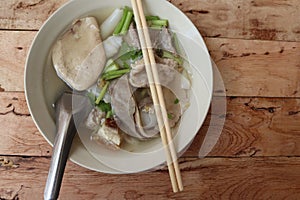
<point>43,87</point>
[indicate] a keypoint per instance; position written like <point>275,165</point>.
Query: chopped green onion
<point>126,56</point>
<point>109,62</point>
<point>166,54</point>
<point>116,72</point>
<point>121,23</point>
<point>128,8</point>
<point>156,26</point>
<point>170,116</point>
<point>176,101</point>
<point>138,54</point>
<point>127,23</point>
<point>111,66</point>
<point>113,77</point>
<point>126,65</point>
<point>109,114</point>
<point>102,93</point>
<point>160,22</point>
<point>104,107</point>
<point>176,43</point>
<point>149,18</point>
<point>133,55</point>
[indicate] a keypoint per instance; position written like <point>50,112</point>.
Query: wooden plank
<point>211,178</point>
<point>257,68</point>
<point>253,127</point>
<point>248,19</point>
<point>19,135</point>
<point>249,68</point>
<point>13,52</point>
<point>28,14</point>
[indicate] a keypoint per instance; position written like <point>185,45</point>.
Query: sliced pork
<point>129,114</point>
<point>78,56</point>
<point>160,38</point>
<point>138,75</point>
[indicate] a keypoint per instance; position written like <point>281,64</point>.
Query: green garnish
<point>176,101</point>
<point>166,54</point>
<point>160,22</point>
<point>104,107</point>
<point>127,22</point>
<point>102,93</point>
<point>156,27</point>
<point>126,65</point>
<point>133,55</point>
<point>114,74</point>
<point>109,114</point>
<point>121,23</point>
<point>150,17</point>
<point>176,43</point>
<point>170,116</point>
<point>113,77</point>
<point>111,66</point>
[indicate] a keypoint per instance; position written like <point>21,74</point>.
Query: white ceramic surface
<point>43,87</point>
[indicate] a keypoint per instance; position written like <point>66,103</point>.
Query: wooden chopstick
<point>154,95</point>
<point>160,94</point>
<point>157,95</point>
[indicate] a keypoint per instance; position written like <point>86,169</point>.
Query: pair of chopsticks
<point>157,95</point>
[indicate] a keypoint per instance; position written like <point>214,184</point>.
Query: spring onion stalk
<point>111,66</point>
<point>176,43</point>
<point>113,77</point>
<point>126,56</point>
<point>127,23</point>
<point>108,26</point>
<point>166,54</point>
<point>133,55</point>
<point>121,23</point>
<point>156,26</point>
<point>104,107</point>
<point>149,18</point>
<point>160,22</point>
<point>109,114</point>
<point>115,73</point>
<point>126,65</point>
<point>102,93</point>
<point>109,62</point>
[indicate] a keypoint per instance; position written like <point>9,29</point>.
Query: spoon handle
<point>61,149</point>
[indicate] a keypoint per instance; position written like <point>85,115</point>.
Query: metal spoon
<point>66,131</point>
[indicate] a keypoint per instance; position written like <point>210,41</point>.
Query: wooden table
<point>256,45</point>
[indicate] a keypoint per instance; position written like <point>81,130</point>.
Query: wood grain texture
<point>257,68</point>
<point>213,178</point>
<point>13,52</point>
<point>248,68</point>
<point>248,19</point>
<point>28,14</point>
<point>18,133</point>
<point>253,127</point>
